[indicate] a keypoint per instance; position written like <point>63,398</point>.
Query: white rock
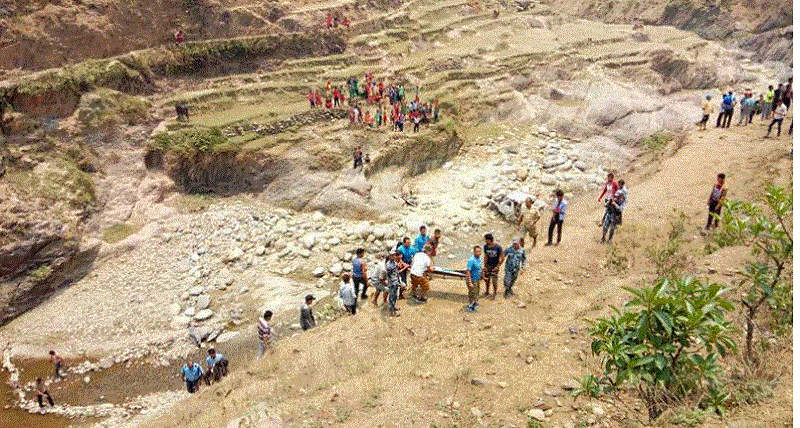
<point>234,255</point>
<point>105,363</point>
<point>259,250</point>
<point>87,379</point>
<point>336,269</point>
<point>190,311</point>
<point>317,216</point>
<point>225,337</point>
<point>304,253</point>
<point>203,301</point>
<point>537,414</point>
<point>180,321</point>
<point>204,315</point>
<point>309,240</point>
<point>347,266</point>
<point>196,291</point>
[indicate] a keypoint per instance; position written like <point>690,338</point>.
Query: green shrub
<point>192,141</point>
<point>665,342</point>
<point>657,141</point>
<point>767,229</point>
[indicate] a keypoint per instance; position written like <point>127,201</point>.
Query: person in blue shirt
<point>515,262</point>
<point>217,366</point>
<point>407,252</point>
<point>474,274</point>
<point>559,209</point>
<point>191,375</point>
<point>422,239</point>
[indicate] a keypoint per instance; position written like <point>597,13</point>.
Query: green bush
<point>767,229</point>
<point>192,141</point>
<point>665,342</point>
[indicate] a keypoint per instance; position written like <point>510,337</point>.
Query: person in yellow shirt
<point>528,218</point>
<point>708,110</point>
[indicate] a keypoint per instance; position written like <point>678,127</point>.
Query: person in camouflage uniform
<point>515,262</point>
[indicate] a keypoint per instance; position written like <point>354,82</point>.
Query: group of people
<point>216,368</point>
<point>772,104</point>
<point>389,102</point>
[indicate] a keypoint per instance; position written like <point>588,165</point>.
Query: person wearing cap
<point>306,314</point>
<point>216,366</point>
<point>708,110</point>
<point>515,262</point>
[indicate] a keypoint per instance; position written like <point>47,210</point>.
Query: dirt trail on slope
<point>439,365</point>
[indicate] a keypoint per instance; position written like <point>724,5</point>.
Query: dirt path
<point>439,365</point>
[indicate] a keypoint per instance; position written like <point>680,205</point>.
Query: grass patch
<point>117,232</point>
<point>41,273</point>
<point>658,141</point>
<point>194,203</point>
<point>189,142</point>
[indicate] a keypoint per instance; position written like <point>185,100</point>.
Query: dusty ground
<point>421,369</point>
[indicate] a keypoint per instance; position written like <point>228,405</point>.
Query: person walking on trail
<point>422,239</point>
<point>777,117</point>
<point>307,320</point>
<point>192,373</point>
<point>216,366</point>
<point>348,294</point>
<point>380,281</point>
<point>766,107</point>
<point>359,274</point>
<point>493,258</point>
<point>474,274</point>
<point>610,188</point>
<point>613,215</point>
<point>264,333</point>
<point>708,110</point>
<point>559,210</point>
<point>528,219</point>
<point>407,252</point>
<point>715,200</point>
<point>58,363</point>
<point>393,280</point>
<point>421,267</point>
<point>515,262</point>
<point>42,392</point>
<point>358,160</point>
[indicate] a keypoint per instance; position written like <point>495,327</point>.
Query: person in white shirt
<point>421,266</point>
<point>348,294</point>
<point>777,117</point>
<point>379,279</point>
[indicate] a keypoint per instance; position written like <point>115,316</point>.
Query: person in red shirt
<point>336,97</point>
<point>434,241</point>
<point>715,200</point>
<point>329,20</point>
<point>328,103</point>
<point>318,98</point>
<point>609,189</point>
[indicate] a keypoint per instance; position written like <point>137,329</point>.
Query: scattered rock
<point>196,291</point>
<point>204,315</point>
<point>319,272</point>
<point>571,385</point>
<point>105,363</point>
<point>233,255</point>
<point>225,337</point>
<point>203,301</point>
<point>336,269</point>
<point>180,322</point>
<point>537,414</point>
<point>87,379</point>
<point>175,309</point>
<point>190,311</point>
<point>259,250</point>
<point>477,381</point>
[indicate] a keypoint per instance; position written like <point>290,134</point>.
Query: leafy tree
<point>767,229</point>
<point>665,342</point>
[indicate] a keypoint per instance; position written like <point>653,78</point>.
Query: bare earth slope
<point>439,366</point>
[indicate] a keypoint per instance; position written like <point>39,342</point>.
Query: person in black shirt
<point>493,258</point>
